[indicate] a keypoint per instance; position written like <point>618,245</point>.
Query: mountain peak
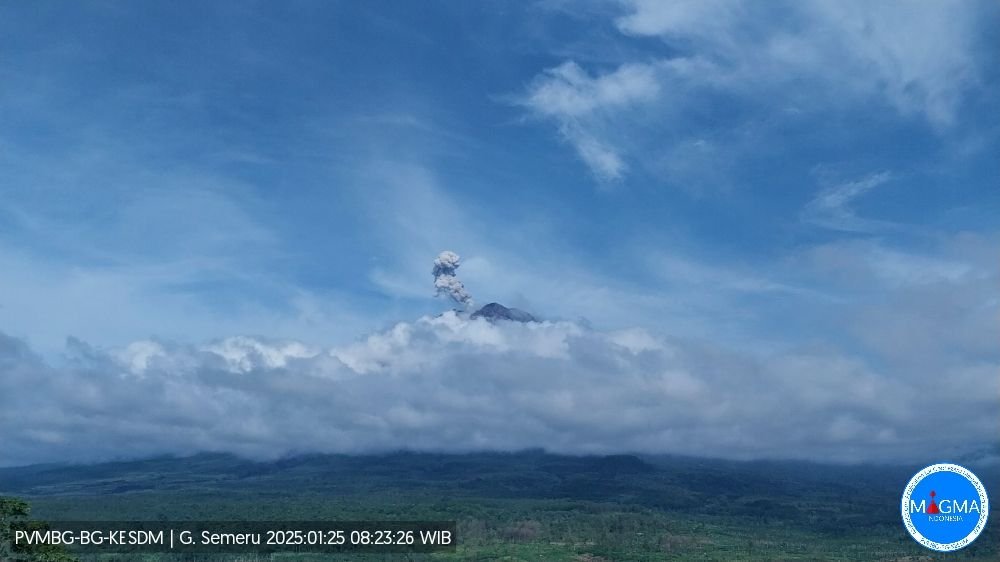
<point>496,311</point>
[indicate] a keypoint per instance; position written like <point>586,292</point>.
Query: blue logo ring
<point>945,529</point>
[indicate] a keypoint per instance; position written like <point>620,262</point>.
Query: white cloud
<point>603,161</point>
<point>831,208</point>
<point>582,105</point>
<point>766,62</point>
<point>448,383</point>
<point>871,49</point>
<point>567,91</point>
<point>872,264</point>
<point>710,19</point>
<point>933,311</point>
<point>850,377</point>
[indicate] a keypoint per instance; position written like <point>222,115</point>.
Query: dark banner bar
<point>234,536</point>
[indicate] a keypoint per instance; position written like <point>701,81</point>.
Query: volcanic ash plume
<point>445,280</point>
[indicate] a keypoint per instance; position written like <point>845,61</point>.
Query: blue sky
<point>751,177</point>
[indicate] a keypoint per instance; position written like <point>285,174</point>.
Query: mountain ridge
<point>495,311</point>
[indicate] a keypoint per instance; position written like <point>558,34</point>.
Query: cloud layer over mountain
<point>447,383</point>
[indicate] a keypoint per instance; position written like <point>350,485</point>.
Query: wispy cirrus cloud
<point>770,62</point>
<point>582,105</point>
<point>851,47</point>
<point>831,208</point>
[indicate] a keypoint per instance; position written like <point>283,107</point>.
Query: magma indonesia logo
<point>945,507</point>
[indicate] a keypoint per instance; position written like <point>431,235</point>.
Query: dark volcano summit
<point>496,311</point>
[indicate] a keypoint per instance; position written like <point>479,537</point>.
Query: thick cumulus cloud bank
<point>447,383</point>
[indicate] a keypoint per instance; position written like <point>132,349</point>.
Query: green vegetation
<point>16,510</point>
<point>525,506</point>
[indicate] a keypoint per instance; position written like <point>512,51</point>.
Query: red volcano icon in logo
<point>933,508</point>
